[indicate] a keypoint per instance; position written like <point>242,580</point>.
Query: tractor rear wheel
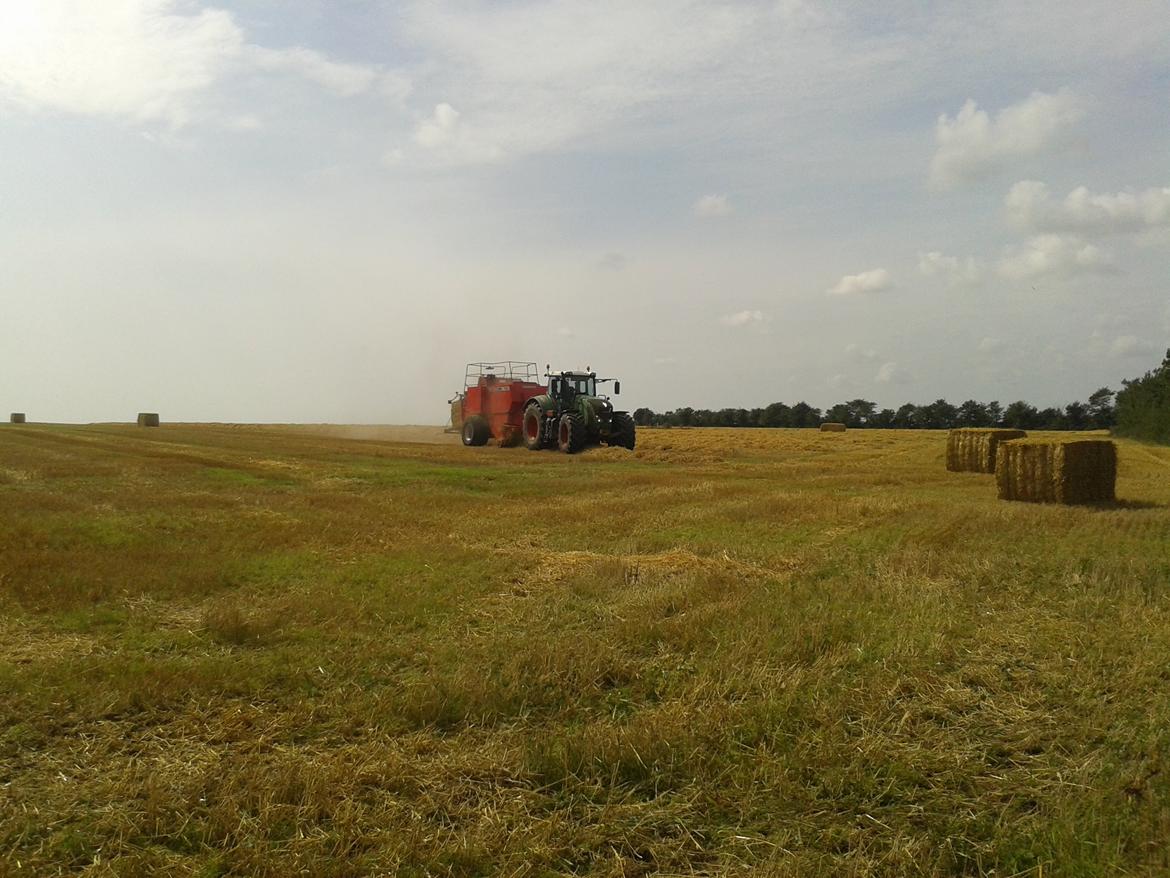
<point>622,431</point>
<point>571,433</point>
<point>476,431</point>
<point>532,428</point>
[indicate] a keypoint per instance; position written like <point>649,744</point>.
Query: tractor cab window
<point>584,386</point>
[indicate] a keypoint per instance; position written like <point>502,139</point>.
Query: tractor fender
<point>546,403</point>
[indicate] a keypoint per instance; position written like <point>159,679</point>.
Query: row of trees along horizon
<point>1141,410</point>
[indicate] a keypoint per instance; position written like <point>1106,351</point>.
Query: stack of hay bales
<point>831,427</point>
<point>972,450</point>
<point>16,418</point>
<point>148,419</point>
<point>1057,470</point>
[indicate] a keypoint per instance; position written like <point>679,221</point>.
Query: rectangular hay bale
<point>148,419</point>
<point>16,418</point>
<point>831,427</point>
<point>1057,471</point>
<point>973,449</point>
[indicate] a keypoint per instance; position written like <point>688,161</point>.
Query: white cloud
<point>973,144</point>
<point>1030,205</point>
<point>341,78</point>
<point>439,129</point>
<point>1130,346</point>
<point>543,76</point>
<point>149,60</point>
<point>890,373</point>
<point>871,281</point>
<point>712,206</point>
<point>1054,256</point>
<point>955,271</point>
<point>135,58</point>
<point>447,138</point>
<point>744,318</point>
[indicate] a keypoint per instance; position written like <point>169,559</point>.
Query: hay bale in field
<point>1057,470</point>
<point>972,449</point>
<point>831,427</point>
<point>16,418</point>
<point>148,419</point>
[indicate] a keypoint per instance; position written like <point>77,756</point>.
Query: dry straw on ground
<point>830,427</point>
<point>972,450</point>
<point>1057,471</point>
<point>16,418</point>
<point>148,419</point>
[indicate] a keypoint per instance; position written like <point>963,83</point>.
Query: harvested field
<point>271,651</point>
<point>973,450</point>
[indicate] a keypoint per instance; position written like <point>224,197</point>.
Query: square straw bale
<point>832,427</point>
<point>1057,471</point>
<point>16,418</point>
<point>973,449</point>
<point>148,419</point>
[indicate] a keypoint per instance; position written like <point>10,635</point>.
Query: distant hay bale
<point>972,450</point>
<point>16,418</point>
<point>831,427</point>
<point>148,419</point>
<point>456,416</point>
<point>1057,470</point>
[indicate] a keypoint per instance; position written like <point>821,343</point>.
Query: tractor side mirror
<point>617,388</point>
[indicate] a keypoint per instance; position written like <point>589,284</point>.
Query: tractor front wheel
<point>476,431</point>
<point>533,428</point>
<point>571,433</point>
<point>623,434</point>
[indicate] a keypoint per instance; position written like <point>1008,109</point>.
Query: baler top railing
<point>506,370</point>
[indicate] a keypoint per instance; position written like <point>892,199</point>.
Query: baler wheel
<point>476,431</point>
<point>533,428</point>
<point>571,433</point>
<point>623,434</point>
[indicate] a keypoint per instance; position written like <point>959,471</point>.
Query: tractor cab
<point>567,386</point>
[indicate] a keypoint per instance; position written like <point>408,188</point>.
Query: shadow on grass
<point>1112,505</point>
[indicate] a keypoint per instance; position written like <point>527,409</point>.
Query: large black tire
<point>571,433</point>
<point>622,431</point>
<point>476,431</point>
<point>532,428</point>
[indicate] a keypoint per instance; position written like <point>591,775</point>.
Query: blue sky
<point>318,211</point>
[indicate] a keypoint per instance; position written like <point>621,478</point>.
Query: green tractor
<point>571,415</point>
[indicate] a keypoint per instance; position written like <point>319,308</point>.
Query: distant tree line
<point>1096,413</point>
<point>1143,405</point>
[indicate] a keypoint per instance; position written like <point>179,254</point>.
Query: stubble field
<point>287,651</point>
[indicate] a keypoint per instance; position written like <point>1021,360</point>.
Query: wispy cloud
<point>744,318</point>
<point>710,206</point>
<point>1030,206</point>
<point>872,281</point>
<point>1054,256</point>
<point>953,270</point>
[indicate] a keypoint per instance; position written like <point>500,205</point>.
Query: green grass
<point>238,651</point>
